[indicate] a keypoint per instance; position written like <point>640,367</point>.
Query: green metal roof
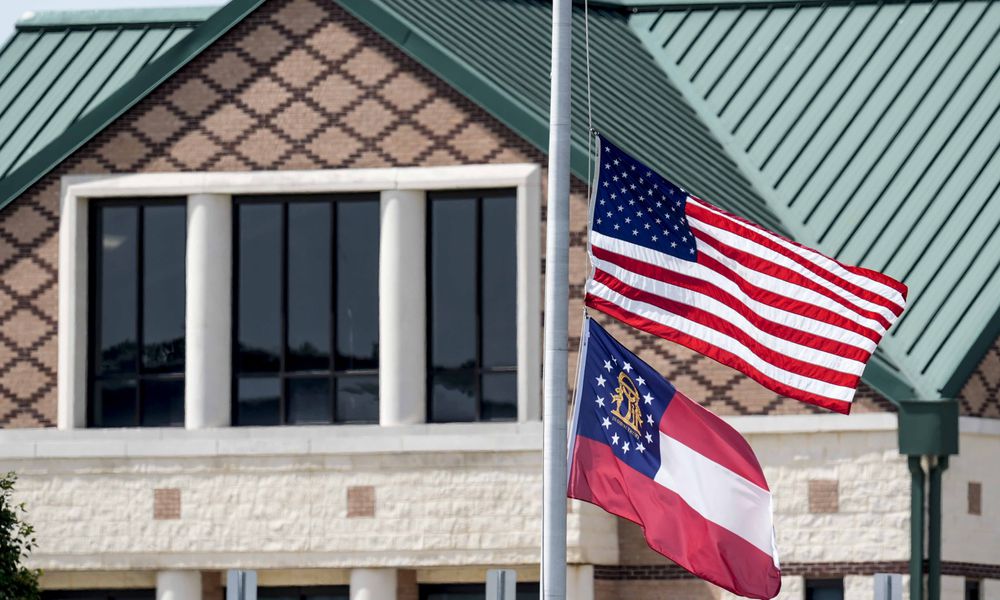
<point>872,129</point>
<point>865,129</point>
<point>506,45</point>
<point>59,65</point>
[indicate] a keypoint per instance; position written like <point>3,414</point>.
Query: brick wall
<point>980,397</point>
<point>299,84</point>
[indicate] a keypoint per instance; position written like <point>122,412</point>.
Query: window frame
<point>282,374</point>
<point>94,297</point>
<point>79,190</point>
<point>476,195</point>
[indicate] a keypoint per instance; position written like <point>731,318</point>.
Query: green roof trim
<point>123,98</point>
<point>137,17</point>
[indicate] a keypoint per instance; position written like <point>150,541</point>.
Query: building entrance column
<point>209,311</point>
<point>373,584</point>
<point>178,585</point>
<point>580,582</point>
<point>402,308</point>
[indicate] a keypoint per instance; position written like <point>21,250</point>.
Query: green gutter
<point>460,75</point>
<point>127,17</point>
<point>124,98</point>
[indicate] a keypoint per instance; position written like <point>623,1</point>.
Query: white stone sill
<point>269,441</point>
<point>376,439</point>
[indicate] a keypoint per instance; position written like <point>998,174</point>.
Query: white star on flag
<point>600,401</point>
<point>648,398</point>
<point>640,448</point>
<point>625,448</point>
<point>605,423</point>
<point>607,365</point>
<point>600,380</point>
<point>627,368</point>
<point>614,439</point>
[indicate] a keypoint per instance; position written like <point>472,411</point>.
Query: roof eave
<point>137,88</point>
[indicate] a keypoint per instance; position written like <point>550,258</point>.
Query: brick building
<point>270,283</point>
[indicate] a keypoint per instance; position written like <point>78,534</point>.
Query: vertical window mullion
<point>334,305</point>
<point>283,356</point>
<point>234,305</point>
<point>479,310</point>
<point>139,293</point>
<point>94,313</point>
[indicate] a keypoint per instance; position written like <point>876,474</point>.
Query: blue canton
<point>621,401</point>
<point>635,204</point>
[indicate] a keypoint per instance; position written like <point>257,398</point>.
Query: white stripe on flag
<point>723,311</point>
<point>824,262</point>
<point>755,278</point>
<point>720,340</point>
<point>716,493</point>
<point>766,254</point>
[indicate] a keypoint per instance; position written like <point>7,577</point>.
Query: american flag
<point>668,263</point>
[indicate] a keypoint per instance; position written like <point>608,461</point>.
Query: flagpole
<point>556,308</point>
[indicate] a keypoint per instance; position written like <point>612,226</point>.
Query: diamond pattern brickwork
<point>980,396</point>
<point>299,84</point>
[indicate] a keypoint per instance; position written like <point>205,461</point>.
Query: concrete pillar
<point>989,588</point>
<point>952,587</point>
<point>372,584</point>
<point>580,582</point>
<point>178,585</point>
<point>208,349</point>
<point>402,308</point>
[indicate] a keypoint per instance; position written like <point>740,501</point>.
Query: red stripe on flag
<point>773,299</point>
<point>714,352</point>
<point>726,221</point>
<point>703,317</point>
<point>777,271</point>
<point>713,291</point>
<point>674,529</point>
<point>687,422</point>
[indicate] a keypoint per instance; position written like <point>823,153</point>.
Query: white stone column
<point>372,584</point>
<point>178,585</point>
<point>580,582</point>
<point>953,587</point>
<point>207,374</point>
<point>402,309</point>
<point>989,588</point>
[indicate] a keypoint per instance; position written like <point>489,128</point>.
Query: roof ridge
<point>60,19</point>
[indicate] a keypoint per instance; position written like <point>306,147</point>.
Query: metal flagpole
<point>556,307</point>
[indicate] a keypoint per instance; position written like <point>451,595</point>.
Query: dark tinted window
<point>824,589</point>
<point>472,291</point>
<point>972,589</point>
<point>307,310</point>
<point>137,294</point>
<point>474,591</point>
<point>339,592</point>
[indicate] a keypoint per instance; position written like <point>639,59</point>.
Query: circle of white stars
<point>647,399</point>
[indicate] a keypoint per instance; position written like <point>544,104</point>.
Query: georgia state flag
<point>643,451</point>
